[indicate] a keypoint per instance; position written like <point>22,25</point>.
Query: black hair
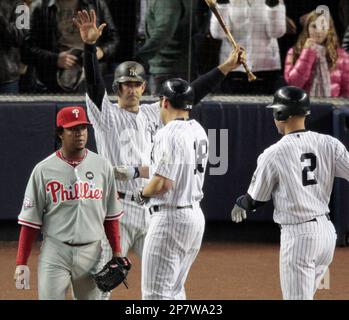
<point>58,132</point>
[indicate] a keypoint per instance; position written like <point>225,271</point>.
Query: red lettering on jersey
<point>79,190</point>
<point>64,194</point>
<point>53,187</point>
<point>97,194</point>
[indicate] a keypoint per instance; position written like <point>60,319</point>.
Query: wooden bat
<point>212,5</point>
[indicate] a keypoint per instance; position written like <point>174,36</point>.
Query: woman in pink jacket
<point>316,63</point>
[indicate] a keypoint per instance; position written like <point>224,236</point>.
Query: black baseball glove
<point>113,273</point>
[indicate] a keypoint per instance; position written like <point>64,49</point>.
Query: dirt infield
<point>222,271</point>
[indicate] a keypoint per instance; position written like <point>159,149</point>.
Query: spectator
<point>54,46</point>
<point>168,41</point>
<point>296,12</point>
<point>11,41</point>
<point>204,43</point>
<point>255,25</point>
<point>124,14</point>
<point>316,63</point>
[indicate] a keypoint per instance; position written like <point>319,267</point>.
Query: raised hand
<point>87,25</point>
<point>235,59</point>
<point>309,43</point>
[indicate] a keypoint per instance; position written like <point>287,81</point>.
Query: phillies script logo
<point>79,190</point>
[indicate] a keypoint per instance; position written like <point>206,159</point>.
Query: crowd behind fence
<point>302,43</point>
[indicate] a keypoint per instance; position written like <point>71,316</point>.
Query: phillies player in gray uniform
<point>125,131</point>
<point>71,196</point>
<point>177,222</point>
<point>297,173</point>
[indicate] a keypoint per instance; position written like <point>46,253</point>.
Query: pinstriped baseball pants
<point>171,246</point>
<point>306,251</point>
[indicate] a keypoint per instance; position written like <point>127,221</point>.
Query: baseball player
<point>125,131</point>
<point>71,196</point>
<point>297,172</point>
<point>175,190</point>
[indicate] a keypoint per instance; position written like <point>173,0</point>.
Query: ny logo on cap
<point>132,72</point>
<point>76,112</point>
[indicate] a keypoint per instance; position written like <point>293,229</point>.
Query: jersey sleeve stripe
<point>29,224</point>
<point>114,216</point>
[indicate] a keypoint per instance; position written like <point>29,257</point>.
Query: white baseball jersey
<point>70,204</point>
<point>176,230</point>
<point>298,173</point>
<point>180,154</point>
<point>123,137</point>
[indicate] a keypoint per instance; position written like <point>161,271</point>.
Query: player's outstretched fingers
<point>81,17</point>
<point>101,27</point>
<point>86,15</point>
<point>93,16</point>
<point>77,22</point>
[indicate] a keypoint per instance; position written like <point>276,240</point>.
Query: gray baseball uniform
<point>177,222</point>
<point>70,206</point>
<point>298,173</point>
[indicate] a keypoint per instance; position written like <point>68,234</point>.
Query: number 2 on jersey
<point>308,169</point>
<point>200,155</point>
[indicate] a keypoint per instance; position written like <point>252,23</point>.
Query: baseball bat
<point>212,5</point>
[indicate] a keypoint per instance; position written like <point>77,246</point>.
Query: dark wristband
<point>137,174</point>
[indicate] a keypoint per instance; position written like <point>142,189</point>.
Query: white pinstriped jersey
<point>123,137</point>
<point>298,173</point>
<point>70,204</point>
<point>180,154</point>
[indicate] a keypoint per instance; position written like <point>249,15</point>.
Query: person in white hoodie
<point>255,25</point>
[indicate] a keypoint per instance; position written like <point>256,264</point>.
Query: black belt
<point>327,216</point>
<point>123,196</point>
<point>312,220</point>
<point>77,244</point>
<point>157,208</point>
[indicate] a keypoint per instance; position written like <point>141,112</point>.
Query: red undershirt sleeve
<point>26,239</point>
<point>112,232</point>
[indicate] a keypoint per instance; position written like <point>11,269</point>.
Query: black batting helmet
<point>179,92</point>
<point>290,101</point>
<point>128,71</point>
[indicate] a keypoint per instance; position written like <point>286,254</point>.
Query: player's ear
<point>119,90</point>
<point>166,102</point>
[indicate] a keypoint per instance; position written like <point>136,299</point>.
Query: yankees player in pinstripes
<point>297,173</point>
<point>124,132</point>
<point>177,223</point>
<point>71,196</point>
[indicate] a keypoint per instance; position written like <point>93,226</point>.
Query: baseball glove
<point>112,274</point>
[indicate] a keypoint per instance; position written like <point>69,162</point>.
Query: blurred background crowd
<point>287,42</point>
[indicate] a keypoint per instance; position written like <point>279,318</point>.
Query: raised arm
<point>299,73</point>
<point>86,23</point>
<point>208,82</point>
